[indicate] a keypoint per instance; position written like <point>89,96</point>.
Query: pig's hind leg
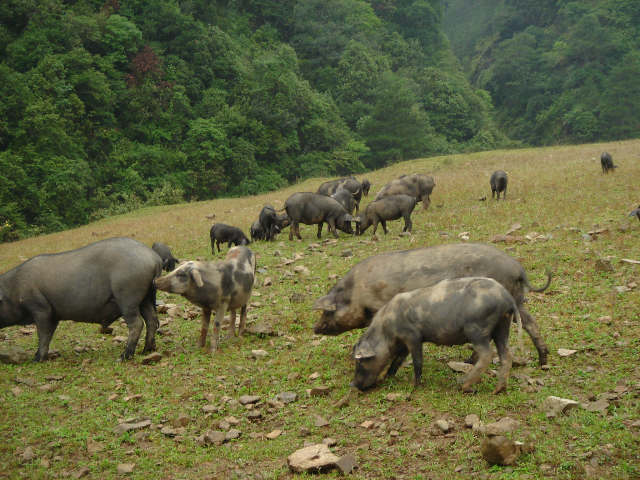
<point>232,324</point>
<point>243,320</point>
<point>500,337</point>
<point>482,347</point>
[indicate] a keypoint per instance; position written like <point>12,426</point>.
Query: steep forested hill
<point>558,71</point>
<point>105,107</point>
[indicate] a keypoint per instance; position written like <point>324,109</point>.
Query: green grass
<point>551,190</point>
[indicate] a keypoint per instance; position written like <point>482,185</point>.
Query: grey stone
<point>154,357</point>
<point>504,425</point>
<point>469,420</point>
<point>346,253</point>
<point>556,405</point>
<point>215,437</point>
<point>500,450</point>
<point>247,399</point>
<point>13,355</point>
<point>261,329</point>
<point>258,354</point>
<point>347,463</point>
<point>28,454</point>
<point>460,367</point>
<point>312,459</point>
<point>599,406</point>
<point>286,397</point>
<point>128,427</point>
<point>320,391</point>
<point>604,265</point>
<point>442,425</point>
<point>93,446</point>
<point>321,422</point>
<point>232,434</point>
<point>125,468</point>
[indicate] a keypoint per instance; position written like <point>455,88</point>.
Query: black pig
<point>221,233</point>
<point>388,208</point>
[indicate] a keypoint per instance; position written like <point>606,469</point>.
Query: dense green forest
<point>105,107</point>
<point>558,71</point>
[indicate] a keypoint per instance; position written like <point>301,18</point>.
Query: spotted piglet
<point>215,286</point>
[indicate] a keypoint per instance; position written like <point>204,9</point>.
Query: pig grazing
<point>498,184</point>
<point>345,198</point>
<point>635,213</point>
<point>215,286</point>
<point>268,222</point>
<point>371,283</point>
<point>418,186</point>
<point>168,260</point>
<point>98,283</point>
<point>221,233</point>
<point>256,231</point>
<point>451,312</point>
<point>607,163</point>
<point>348,183</point>
<point>366,186</point>
<point>282,222</point>
<point>389,208</point>
<point>311,209</point>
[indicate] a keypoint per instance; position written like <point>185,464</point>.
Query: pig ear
<point>363,351</point>
<point>328,302</point>
<point>195,274</point>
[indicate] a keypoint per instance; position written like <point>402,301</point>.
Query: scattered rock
<point>565,352</point>
<point>604,265</point>
<point>248,399</point>
<point>469,420</point>
<point>599,406</point>
<point>261,329</point>
<point>514,228</point>
<point>314,458</point>
<point>17,391</point>
<point>125,468</point>
<point>181,421</point>
<point>442,425</point>
<point>93,446</point>
<point>273,435</point>
<point>460,367</point>
<point>215,437</point>
<point>232,434</point>
<point>330,442</point>
<point>320,391</point>
<point>154,357</point>
<point>258,354</point>
<point>301,269</point>
<point>128,427</point>
<point>367,424</point>
<point>46,388</point>
<point>347,463</point>
<point>556,405</point>
<point>286,397</point>
<point>500,450</point>
<point>346,253</point>
<point>321,422</point>
<point>504,425</point>
<point>28,454</point>
<point>393,397</point>
<point>13,355</point>
<point>254,415</point>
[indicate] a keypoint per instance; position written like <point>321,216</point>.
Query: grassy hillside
<point>559,191</point>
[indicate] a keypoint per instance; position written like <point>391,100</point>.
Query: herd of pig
<point>447,294</point>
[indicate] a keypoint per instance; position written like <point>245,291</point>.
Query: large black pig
<point>348,183</point>
<point>98,283</point>
<point>268,222</point>
<point>389,208</point>
<point>498,182</point>
<point>311,209</point>
<point>419,186</point>
<point>451,312</point>
<point>168,260</point>
<point>371,283</point>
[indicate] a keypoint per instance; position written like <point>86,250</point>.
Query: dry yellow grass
<point>553,178</point>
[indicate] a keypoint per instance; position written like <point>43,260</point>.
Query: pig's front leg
<point>397,360</point>
<point>217,323</point>
<point>204,328</point>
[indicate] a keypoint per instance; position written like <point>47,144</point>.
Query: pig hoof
<point>462,379</point>
<point>200,344</point>
<point>500,389</point>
